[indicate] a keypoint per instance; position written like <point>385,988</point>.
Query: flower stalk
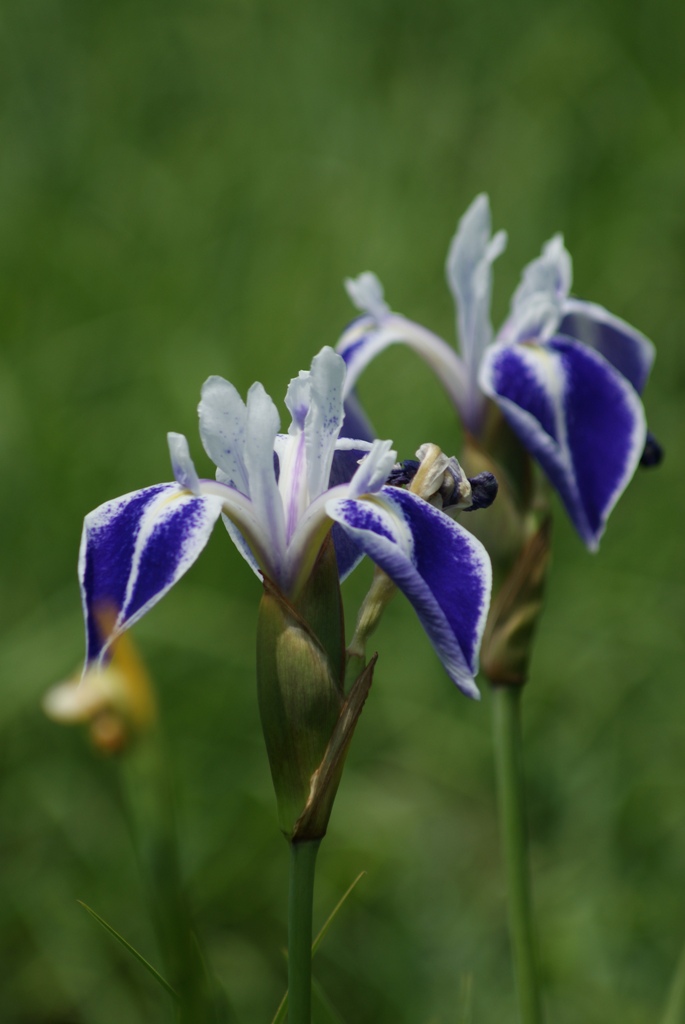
<point>300,905</point>
<point>506,702</point>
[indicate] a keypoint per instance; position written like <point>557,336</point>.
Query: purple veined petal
<point>468,269</point>
<point>577,416</point>
<point>223,419</point>
<point>443,570</point>
<point>133,550</point>
<point>625,347</point>
<point>324,418</point>
<point>262,427</point>
<point>366,338</point>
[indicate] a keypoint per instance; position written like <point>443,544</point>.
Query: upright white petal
<point>298,399</point>
<point>469,275</point>
<point>538,302</point>
<point>324,418</point>
<point>223,419</point>
<point>185,473</point>
<point>262,425</point>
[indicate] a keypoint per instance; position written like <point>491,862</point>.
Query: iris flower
<point>278,496</point>
<point>566,374</point>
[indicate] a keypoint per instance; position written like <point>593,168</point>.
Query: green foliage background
<point>183,187</point>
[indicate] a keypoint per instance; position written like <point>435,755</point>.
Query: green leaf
<point>324,1003</point>
<point>675,1005</point>
<point>334,913</point>
<point>127,945</point>
<point>466,999</point>
<point>282,1011</point>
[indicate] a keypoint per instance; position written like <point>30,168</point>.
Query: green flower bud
<point>307,720</point>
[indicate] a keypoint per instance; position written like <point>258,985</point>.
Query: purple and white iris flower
<point>278,496</point>
<point>566,374</point>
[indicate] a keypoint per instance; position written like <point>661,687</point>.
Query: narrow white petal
<point>298,399</point>
<point>263,423</point>
<point>469,275</point>
<point>373,470</point>
<point>324,418</point>
<point>185,473</point>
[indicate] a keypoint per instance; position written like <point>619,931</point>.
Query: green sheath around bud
<point>516,532</point>
<point>508,638</point>
<point>300,663</point>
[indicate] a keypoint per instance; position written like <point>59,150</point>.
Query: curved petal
<point>236,536</point>
<point>625,347</point>
<point>133,550</point>
<point>468,269</point>
<point>223,419</point>
<point>578,416</point>
<point>443,570</point>
<point>373,470</point>
<point>366,337</point>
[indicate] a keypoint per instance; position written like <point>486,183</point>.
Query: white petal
<point>537,303</point>
<point>366,293</point>
<point>263,423</point>
<point>373,470</point>
<point>324,418</point>
<point>185,473</point>
<point>223,418</point>
<point>469,275</point>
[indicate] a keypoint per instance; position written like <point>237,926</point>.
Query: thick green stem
<point>301,900</point>
<point>507,729</point>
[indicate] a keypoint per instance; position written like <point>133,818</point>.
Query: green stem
<point>509,765</point>
<point>301,901</point>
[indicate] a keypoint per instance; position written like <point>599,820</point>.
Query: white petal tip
<point>366,293</point>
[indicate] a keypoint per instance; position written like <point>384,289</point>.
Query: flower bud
<point>307,720</point>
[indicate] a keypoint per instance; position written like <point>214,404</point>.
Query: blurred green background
<point>183,187</point>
